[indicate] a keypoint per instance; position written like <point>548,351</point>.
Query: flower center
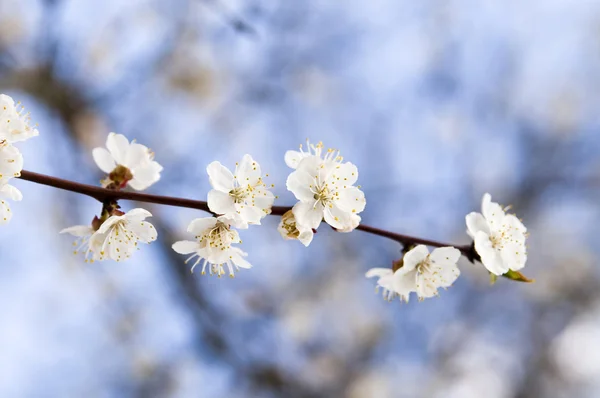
<point>323,194</point>
<point>238,194</point>
<point>423,266</point>
<point>219,237</point>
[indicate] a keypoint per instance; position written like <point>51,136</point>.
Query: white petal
<point>492,211</point>
<point>108,224</point>
<point>306,236</point>
<point>220,177</point>
<point>346,174</point>
<point>200,225</point>
<point>78,230</point>
<point>351,199</point>
<point>378,272</point>
<point>301,184</point>
<point>490,258</point>
<point>144,230</point>
<point>307,215</point>
<point>337,218</point>
<point>404,281</point>
<point>414,257</point>
<point>8,191</point>
<point>475,223</point>
<point>117,145</point>
<point>248,172</point>
<point>137,214</point>
<point>251,214</point>
<point>220,202</point>
<point>445,256</point>
<point>5,213</point>
<point>293,158</point>
<point>426,286</point>
<point>185,246</point>
<point>238,260</point>
<point>354,222</point>
<point>136,155</point>
<point>145,175</point>
<point>104,160</point>
<point>11,161</point>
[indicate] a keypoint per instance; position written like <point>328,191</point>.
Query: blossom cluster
<point>321,181</point>
<point>499,241</point>
<point>115,235</point>
<point>14,127</point>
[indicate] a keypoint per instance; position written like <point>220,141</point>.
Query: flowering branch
<point>321,181</point>
<point>105,195</point>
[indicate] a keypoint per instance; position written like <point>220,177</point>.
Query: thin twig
<point>103,195</point>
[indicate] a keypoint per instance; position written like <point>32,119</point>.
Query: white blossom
<point>424,273</point>
<point>14,122</point>
<point>11,161</point>
<point>213,246</point>
<point>385,281</point>
<point>117,238</point>
<point>289,229</point>
<point>325,190</point>
<point>82,243</point>
<point>242,196</point>
<point>499,237</point>
<point>293,158</point>
<point>127,162</point>
<point>7,192</point>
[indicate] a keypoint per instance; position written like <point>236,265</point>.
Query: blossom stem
<point>103,195</point>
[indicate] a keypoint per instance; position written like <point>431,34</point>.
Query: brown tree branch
<point>104,195</point>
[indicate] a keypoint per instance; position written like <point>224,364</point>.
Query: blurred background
<point>437,102</point>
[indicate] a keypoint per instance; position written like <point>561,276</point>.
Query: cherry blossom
<point>116,238</point>
<point>289,229</point>
<point>127,163</point>
<point>424,273</point>
<point>7,192</point>
<point>213,246</point>
<point>241,196</point>
<point>325,190</point>
<point>14,122</point>
<point>499,237</point>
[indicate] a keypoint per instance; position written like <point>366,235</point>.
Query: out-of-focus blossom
<point>289,229</point>
<point>242,196</point>
<point>213,246</point>
<point>127,163</point>
<point>499,237</point>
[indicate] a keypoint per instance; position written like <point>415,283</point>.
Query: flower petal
<point>117,145</point>
<point>5,213</point>
<point>490,258</point>
<point>307,215</point>
<point>220,177</point>
<point>78,230</point>
<point>301,184</point>
<point>346,173</point>
<point>185,246</point>
<point>104,160</point>
<point>137,214</point>
<point>475,223</point>
<point>248,172</point>
<point>445,256</point>
<point>378,272</point>
<point>415,256</point>
<point>338,218</point>
<point>10,192</point>
<point>200,225</point>
<point>351,199</point>
<point>220,202</point>
<point>144,230</point>
<point>293,158</point>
